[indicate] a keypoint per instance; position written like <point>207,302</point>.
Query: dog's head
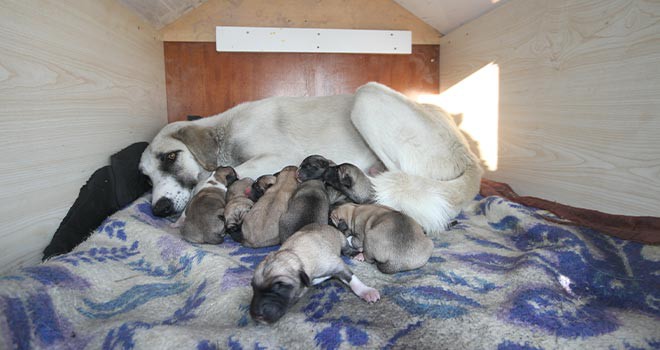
<point>342,217</point>
<point>313,167</point>
<point>259,187</point>
<point>351,181</point>
<point>278,282</point>
<point>181,155</point>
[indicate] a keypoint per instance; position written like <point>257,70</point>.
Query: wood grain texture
<point>160,13</point>
<point>579,102</point>
<point>201,81</point>
<point>78,82</point>
<point>199,24</point>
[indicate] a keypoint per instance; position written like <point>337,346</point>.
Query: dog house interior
<point>558,101</point>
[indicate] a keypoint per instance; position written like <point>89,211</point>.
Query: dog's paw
<point>358,257</point>
<point>370,295</point>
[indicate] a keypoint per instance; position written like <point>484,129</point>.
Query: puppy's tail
<point>432,203</point>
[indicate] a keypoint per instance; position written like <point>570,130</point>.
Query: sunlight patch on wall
<point>475,100</point>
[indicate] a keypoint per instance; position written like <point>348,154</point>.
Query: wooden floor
<point>201,81</point>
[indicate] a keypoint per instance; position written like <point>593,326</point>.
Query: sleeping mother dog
<point>431,173</point>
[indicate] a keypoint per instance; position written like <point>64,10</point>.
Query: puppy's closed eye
<point>342,226</point>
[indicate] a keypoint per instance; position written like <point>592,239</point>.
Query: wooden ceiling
<point>443,15</point>
<point>447,15</point>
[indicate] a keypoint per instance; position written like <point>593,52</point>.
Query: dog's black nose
<point>163,207</point>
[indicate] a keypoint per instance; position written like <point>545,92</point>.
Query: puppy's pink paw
<point>370,295</point>
<point>359,257</point>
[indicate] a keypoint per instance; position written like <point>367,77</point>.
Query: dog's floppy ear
<point>202,143</point>
<point>342,226</point>
<point>231,177</point>
<point>347,181</point>
<point>304,279</point>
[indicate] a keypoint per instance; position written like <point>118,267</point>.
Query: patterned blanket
<point>501,278</point>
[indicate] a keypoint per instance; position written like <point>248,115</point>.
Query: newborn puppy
<point>259,187</point>
<point>309,257</point>
<point>203,216</point>
<point>261,224</point>
<point>390,238</point>
<point>314,167</point>
<point>238,205</point>
<point>351,181</point>
<point>309,204</point>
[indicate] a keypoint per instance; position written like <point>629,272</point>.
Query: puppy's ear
<point>304,279</point>
<point>231,177</point>
<point>342,226</point>
<point>347,181</point>
<point>202,143</point>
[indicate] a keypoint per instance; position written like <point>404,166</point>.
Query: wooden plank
<point>78,82</point>
<point>316,40</point>
<point>201,81</point>
<point>579,100</point>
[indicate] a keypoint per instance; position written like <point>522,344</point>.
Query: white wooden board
<point>266,39</point>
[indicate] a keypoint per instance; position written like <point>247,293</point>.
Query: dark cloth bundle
<point>109,189</point>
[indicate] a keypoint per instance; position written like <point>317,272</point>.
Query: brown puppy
<point>238,205</point>
<point>390,238</point>
<point>309,257</point>
<point>261,224</point>
<point>309,204</point>
<point>259,187</point>
<point>351,181</point>
<point>203,216</point>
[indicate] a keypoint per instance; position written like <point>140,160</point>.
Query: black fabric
<point>109,189</point>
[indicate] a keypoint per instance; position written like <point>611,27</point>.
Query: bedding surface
<point>501,278</point>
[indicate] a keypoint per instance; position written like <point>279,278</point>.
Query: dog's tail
<point>432,203</point>
<point>432,172</point>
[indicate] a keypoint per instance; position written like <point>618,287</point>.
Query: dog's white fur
<point>431,171</point>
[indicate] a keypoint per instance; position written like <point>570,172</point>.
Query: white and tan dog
<point>431,173</point>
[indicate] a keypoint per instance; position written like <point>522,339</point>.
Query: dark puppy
<point>309,204</point>
<point>351,181</point>
<point>203,216</point>
<point>309,257</point>
<point>260,186</point>
<point>314,167</point>
<point>238,205</point>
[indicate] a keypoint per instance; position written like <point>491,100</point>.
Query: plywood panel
<point>199,24</point>
<point>78,82</point>
<point>160,13</point>
<point>201,81</point>
<point>579,98</point>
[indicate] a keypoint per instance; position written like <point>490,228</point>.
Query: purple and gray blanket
<point>502,278</point>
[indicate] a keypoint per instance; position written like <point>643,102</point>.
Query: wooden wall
<point>79,80</point>
<point>201,81</point>
<point>579,98</point>
<point>199,24</point>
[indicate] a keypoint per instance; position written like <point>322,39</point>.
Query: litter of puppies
<point>317,211</point>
